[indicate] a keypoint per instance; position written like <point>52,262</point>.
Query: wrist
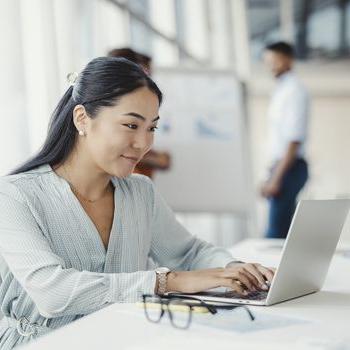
<point>172,282</point>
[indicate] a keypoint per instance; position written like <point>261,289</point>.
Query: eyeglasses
<point>180,309</point>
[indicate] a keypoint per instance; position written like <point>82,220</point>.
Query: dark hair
<point>281,47</point>
<point>101,84</point>
<point>131,55</point>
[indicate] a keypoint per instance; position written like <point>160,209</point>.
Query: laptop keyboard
<point>258,295</point>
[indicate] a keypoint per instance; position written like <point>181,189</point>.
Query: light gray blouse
<point>54,267</point>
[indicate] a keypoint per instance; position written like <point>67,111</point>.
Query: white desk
<point>123,326</point>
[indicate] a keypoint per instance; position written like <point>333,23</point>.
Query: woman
<point>76,230</point>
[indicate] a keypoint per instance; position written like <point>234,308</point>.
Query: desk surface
<point>123,326</point>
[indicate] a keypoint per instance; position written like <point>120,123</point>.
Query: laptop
<point>307,252</point>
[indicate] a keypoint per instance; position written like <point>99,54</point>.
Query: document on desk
<point>238,321</point>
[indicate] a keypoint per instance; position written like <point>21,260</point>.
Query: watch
<point>162,273</point>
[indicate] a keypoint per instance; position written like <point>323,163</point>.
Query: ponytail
<point>60,137</point>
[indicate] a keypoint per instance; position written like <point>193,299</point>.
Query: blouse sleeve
<point>57,290</point>
<point>174,247</point>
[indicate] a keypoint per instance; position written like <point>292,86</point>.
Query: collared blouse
<point>54,267</point>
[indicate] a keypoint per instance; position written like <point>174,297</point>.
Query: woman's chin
<point>123,173</point>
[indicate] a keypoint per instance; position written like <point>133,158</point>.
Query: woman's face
<point>119,136</point>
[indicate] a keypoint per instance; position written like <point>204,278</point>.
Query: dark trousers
<point>282,207</point>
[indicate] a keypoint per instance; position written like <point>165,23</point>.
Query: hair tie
<point>72,78</point>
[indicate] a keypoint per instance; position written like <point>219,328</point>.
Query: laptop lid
<point>313,236</point>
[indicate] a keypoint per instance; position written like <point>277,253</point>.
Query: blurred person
<point>288,121</point>
<point>153,160</point>
<point>141,59</point>
<point>77,227</point>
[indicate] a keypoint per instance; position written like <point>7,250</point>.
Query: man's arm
<point>156,160</point>
<point>272,187</point>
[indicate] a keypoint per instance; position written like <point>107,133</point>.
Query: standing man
<point>288,121</point>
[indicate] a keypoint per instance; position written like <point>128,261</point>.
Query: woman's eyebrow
<point>139,116</point>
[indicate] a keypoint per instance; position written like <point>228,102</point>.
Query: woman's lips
<point>131,158</point>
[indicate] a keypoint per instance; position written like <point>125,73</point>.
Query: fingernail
<point>264,287</point>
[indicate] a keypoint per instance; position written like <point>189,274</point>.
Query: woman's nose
<point>143,141</point>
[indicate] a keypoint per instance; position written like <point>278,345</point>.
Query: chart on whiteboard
<point>197,109</point>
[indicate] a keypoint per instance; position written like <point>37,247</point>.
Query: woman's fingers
<point>252,268</point>
<point>250,277</point>
<point>255,273</point>
<point>268,273</point>
<point>255,282</point>
<point>243,279</point>
<point>235,285</point>
<point>244,276</point>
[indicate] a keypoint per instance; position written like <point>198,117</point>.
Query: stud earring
<point>81,133</point>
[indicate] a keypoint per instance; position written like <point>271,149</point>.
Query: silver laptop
<point>306,256</point>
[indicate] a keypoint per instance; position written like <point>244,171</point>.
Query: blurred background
<point>207,57</point>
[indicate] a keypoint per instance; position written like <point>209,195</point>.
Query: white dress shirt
<point>288,116</point>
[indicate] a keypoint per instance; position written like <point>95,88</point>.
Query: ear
<point>80,118</point>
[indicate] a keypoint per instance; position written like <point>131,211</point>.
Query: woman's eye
<point>134,127</point>
<point>131,126</point>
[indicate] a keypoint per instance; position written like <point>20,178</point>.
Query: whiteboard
<point>202,125</point>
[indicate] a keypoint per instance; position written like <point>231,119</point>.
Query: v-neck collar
<point>82,214</point>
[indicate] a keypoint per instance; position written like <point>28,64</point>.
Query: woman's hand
<point>262,276</point>
<point>239,277</point>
